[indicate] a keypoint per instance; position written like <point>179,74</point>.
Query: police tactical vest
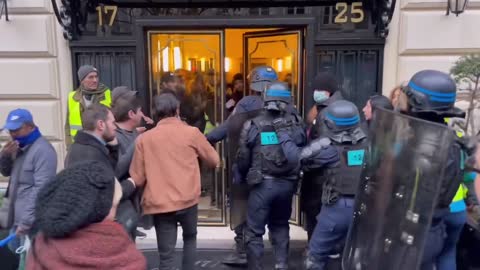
<point>344,178</point>
<point>268,157</point>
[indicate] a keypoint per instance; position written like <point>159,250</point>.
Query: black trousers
<point>166,229</point>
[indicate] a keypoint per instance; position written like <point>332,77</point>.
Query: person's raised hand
<point>10,148</point>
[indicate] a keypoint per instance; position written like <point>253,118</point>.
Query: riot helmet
<point>277,96</point>
<point>432,91</point>
<point>342,122</point>
<point>342,115</point>
<point>260,77</point>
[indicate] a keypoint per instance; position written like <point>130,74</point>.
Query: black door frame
<point>143,24</point>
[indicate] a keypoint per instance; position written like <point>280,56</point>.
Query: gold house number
<point>356,12</point>
<point>104,10</point>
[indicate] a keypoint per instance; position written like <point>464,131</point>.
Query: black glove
<point>280,124</point>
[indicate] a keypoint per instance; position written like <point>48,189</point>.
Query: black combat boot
<point>238,257</point>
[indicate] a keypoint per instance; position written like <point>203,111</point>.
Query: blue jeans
<point>433,245</point>
<point>332,227</point>
<point>310,224</point>
<point>269,203</point>
<point>454,223</point>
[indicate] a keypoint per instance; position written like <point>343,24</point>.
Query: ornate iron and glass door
<point>283,50</point>
<point>190,63</point>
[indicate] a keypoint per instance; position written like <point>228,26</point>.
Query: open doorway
<point>207,69</point>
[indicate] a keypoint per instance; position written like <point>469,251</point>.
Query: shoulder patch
<point>268,138</point>
<point>355,157</point>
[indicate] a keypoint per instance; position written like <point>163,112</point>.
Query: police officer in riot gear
<point>411,174</point>
<point>341,124</point>
<point>431,96</point>
<point>259,78</point>
<point>271,171</point>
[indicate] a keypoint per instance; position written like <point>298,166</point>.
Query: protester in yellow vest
<point>456,219</point>
<point>89,92</point>
<point>209,126</point>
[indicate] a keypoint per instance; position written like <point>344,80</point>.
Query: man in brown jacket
<point>165,161</point>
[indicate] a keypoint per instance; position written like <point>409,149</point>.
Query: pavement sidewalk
<point>218,238</point>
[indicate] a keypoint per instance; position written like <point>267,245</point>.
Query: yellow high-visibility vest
<point>462,189</point>
<point>209,126</point>
<point>461,193</point>
<point>459,132</point>
<point>74,115</point>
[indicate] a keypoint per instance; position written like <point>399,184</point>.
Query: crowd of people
<point>116,171</point>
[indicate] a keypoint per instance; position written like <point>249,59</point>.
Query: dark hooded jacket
<point>88,147</point>
<point>246,104</point>
<point>314,133</point>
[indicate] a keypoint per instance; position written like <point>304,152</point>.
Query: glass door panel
<point>190,63</point>
<point>283,50</point>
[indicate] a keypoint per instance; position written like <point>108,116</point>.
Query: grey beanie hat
<point>84,70</point>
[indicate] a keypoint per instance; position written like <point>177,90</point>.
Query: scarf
<point>29,139</point>
<point>92,95</point>
<point>99,246</point>
<point>100,90</point>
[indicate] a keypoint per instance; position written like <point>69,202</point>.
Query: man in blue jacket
<point>30,161</point>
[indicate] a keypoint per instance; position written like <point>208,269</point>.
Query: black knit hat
<point>325,81</point>
<point>78,196</point>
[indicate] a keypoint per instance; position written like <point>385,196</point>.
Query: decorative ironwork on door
<point>116,67</point>
<point>357,71</point>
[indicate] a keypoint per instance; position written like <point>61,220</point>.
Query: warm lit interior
<point>195,52</point>
<point>195,57</point>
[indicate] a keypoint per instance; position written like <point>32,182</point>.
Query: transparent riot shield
<point>238,193</point>
<point>401,180</point>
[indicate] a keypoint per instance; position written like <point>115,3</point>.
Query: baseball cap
<point>122,92</point>
<point>17,118</point>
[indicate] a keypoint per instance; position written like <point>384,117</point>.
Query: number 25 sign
<point>356,14</point>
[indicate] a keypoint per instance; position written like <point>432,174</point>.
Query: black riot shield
<point>238,193</point>
<point>401,180</point>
